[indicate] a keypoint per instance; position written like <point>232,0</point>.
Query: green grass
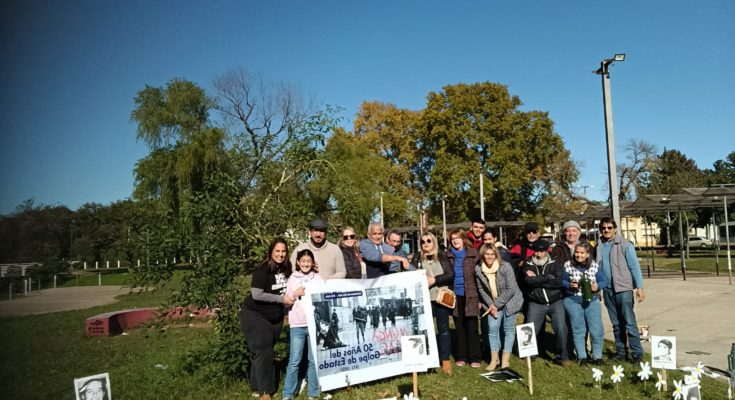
<point>698,261</point>
<point>41,355</point>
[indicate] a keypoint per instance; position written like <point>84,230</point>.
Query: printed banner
<point>358,324</point>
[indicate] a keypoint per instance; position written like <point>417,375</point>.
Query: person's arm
<point>635,271</point>
<point>511,286</point>
<point>600,278</point>
<point>340,271</point>
<point>369,251</point>
<point>553,280</point>
<point>531,279</point>
<point>565,279</point>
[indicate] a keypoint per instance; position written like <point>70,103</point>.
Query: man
<point>618,261</point>
<point>475,233</point>
<point>93,389</point>
<point>394,241</point>
<point>522,250</point>
<point>377,254</point>
<point>563,250</point>
<point>490,237</point>
<point>543,278</point>
<point>328,256</point>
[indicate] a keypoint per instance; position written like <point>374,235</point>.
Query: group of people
<point>565,280</point>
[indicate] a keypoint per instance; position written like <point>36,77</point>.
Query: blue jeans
<point>494,335</point>
<point>443,336</point>
<point>586,317</point>
<point>299,339</point>
<point>620,310</point>
<point>537,314</point>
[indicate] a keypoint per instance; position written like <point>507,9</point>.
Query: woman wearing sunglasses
<point>351,252</point>
<point>439,273</point>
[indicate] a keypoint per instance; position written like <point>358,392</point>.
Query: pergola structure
<point>687,199</point>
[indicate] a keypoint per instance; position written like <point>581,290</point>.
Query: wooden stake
<point>530,375</point>
<point>415,384</point>
<point>663,373</point>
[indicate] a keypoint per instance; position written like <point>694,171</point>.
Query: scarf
<point>491,274</point>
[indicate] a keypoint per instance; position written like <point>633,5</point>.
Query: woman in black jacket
<point>351,253</point>
<point>439,273</point>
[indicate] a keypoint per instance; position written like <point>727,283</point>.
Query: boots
<point>494,360</point>
<point>447,367</point>
<point>505,363</point>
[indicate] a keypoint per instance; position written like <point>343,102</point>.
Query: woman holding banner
<point>463,258</point>
<point>500,301</point>
<point>261,315</point>
<point>439,273</point>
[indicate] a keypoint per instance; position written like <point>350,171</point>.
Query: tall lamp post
<point>604,72</point>
<point>444,220</point>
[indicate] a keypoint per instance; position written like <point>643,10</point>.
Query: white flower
<point>409,397</point>
<point>596,374</point>
<point>698,370</point>
<point>661,382</point>
<point>677,390</point>
<point>617,374</point>
<point>645,372</point>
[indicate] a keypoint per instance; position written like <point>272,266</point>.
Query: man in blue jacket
<point>619,263</point>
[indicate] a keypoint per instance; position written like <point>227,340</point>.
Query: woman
<point>299,337</point>
<point>500,300</point>
<point>439,273</point>
<point>351,253</point>
<point>585,315</point>
<point>261,315</point>
<point>463,258</point>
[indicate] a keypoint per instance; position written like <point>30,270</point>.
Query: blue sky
<point>70,71</point>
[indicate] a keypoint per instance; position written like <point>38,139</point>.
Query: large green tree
<point>464,131</point>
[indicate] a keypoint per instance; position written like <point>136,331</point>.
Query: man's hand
<point>405,263</point>
<point>530,274</point>
<point>639,294</point>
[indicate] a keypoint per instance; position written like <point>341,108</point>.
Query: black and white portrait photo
<point>691,392</point>
<point>526,335</point>
<point>663,352</point>
<point>95,387</point>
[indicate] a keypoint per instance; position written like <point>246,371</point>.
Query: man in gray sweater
<point>329,258</point>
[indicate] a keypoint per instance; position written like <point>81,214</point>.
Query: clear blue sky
<point>70,71</point>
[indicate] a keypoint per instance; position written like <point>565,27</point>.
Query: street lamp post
<point>444,220</point>
<point>604,72</point>
<point>381,210</point>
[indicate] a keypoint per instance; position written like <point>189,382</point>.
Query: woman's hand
<point>494,311</point>
<point>298,292</point>
<point>595,287</point>
<point>431,280</point>
<point>574,285</point>
<point>287,300</point>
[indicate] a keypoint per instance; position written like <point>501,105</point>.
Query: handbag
<point>446,297</point>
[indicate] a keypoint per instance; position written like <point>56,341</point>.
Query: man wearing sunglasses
<point>328,257</point>
<point>619,263</point>
<point>521,251</point>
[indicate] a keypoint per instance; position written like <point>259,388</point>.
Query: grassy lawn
<point>41,356</point>
<point>698,261</point>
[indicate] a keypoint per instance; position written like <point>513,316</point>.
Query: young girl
<point>306,271</point>
<point>585,315</point>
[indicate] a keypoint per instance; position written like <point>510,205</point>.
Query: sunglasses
<point>348,237</point>
<point>607,228</point>
<point>425,241</point>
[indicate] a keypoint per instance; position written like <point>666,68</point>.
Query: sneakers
<point>618,357</point>
<point>598,362</point>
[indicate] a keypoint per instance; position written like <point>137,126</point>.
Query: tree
<point>636,172</point>
<point>723,170</point>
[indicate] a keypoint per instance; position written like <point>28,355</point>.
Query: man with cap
<point>328,257</point>
<point>522,250</point>
<point>543,282</point>
<point>563,250</point>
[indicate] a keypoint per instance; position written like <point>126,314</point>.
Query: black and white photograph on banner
<point>358,325</point>
<point>691,392</point>
<point>526,337</point>
<point>95,387</point>
<point>663,352</point>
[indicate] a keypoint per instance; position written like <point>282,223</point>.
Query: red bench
<point>115,322</point>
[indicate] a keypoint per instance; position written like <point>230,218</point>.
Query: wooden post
<point>54,281</point>
<point>665,379</point>
<point>530,375</point>
<point>99,279</point>
<point>415,384</point>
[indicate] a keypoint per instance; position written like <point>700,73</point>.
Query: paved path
<point>61,299</point>
<point>700,312</point>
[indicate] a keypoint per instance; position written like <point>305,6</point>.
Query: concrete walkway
<point>700,312</point>
<point>61,299</point>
